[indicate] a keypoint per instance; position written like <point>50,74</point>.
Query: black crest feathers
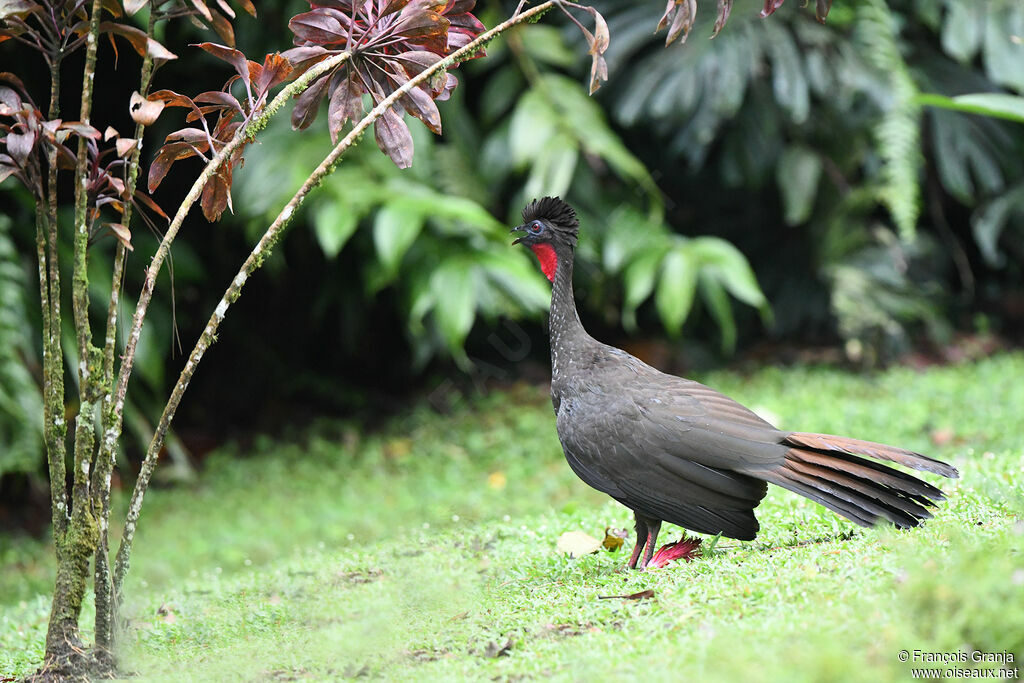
<point>556,213</point>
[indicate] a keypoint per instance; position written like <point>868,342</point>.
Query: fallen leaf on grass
<point>642,595</point>
<point>166,614</point>
<point>495,650</point>
<point>577,544</point>
<point>614,538</point>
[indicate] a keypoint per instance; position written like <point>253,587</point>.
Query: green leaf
<point>454,302</point>
<point>717,301</point>
<point>533,124</point>
<point>999,105</point>
<point>395,228</point>
<point>729,266</point>
<point>797,174</point>
<point>553,169</point>
<point>989,221</point>
<point>963,29</point>
<point>334,222</point>
<point>676,287</point>
<point>638,283</point>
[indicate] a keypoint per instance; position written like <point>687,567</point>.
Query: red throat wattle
<point>548,260</point>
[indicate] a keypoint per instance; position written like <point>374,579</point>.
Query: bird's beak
<point>518,228</point>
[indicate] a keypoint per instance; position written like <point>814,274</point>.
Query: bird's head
<point>550,230</point>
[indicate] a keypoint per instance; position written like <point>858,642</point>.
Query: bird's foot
<point>684,549</point>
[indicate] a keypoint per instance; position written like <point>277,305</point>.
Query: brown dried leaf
<point>123,235</point>
<point>148,201</point>
<point>642,595</point>
<point>144,111</point>
<point>248,6</point>
<point>393,138</point>
<point>226,9</point>
<point>770,6</point>
<point>686,14</point>
<point>724,9</point>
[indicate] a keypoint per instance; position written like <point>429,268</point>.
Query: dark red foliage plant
<point>389,42</point>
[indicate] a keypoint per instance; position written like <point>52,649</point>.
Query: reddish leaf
<point>724,9</point>
<point>148,201</point>
<point>195,137</point>
<point>770,6</point>
<point>231,56</point>
<point>393,6</point>
<point>424,24</point>
<point>322,26</point>
<point>6,170</point>
<point>346,103</point>
<point>416,61</point>
<point>248,7</point>
<point>307,104</point>
<point>393,138</point>
<point>275,71</point>
<point>123,234</point>
<point>113,7</point>
<point>19,145</point>
<point>165,158</point>
<point>138,39</point>
<point>421,105</point>
<point>220,98</point>
<point>223,29</point>
<point>301,58</point>
<point>821,8</point>
<point>217,194</point>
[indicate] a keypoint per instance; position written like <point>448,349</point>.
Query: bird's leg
<point>653,527</point>
<point>641,539</point>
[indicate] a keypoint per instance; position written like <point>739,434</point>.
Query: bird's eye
<point>535,227</point>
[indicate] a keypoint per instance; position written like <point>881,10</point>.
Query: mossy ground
<point>426,551</point>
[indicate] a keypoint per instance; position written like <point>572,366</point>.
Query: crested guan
<point>673,450</point>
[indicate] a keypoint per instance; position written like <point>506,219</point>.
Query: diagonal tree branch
<point>258,256</point>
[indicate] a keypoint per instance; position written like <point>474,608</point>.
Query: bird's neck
<point>564,326</point>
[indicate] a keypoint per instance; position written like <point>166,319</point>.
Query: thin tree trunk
<point>106,611</point>
<point>75,549</point>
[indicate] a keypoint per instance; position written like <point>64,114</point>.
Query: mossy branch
<point>258,256</point>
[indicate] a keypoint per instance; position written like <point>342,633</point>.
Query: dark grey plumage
<point>675,450</point>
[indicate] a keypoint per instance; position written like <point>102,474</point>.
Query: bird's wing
<point>617,444</point>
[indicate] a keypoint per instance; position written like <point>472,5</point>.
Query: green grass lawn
<point>426,551</point>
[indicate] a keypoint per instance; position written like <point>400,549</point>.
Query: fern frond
<point>898,134</point>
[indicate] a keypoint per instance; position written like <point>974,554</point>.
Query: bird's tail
<point>830,470</point>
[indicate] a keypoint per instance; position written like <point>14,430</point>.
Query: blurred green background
<point>774,194</point>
